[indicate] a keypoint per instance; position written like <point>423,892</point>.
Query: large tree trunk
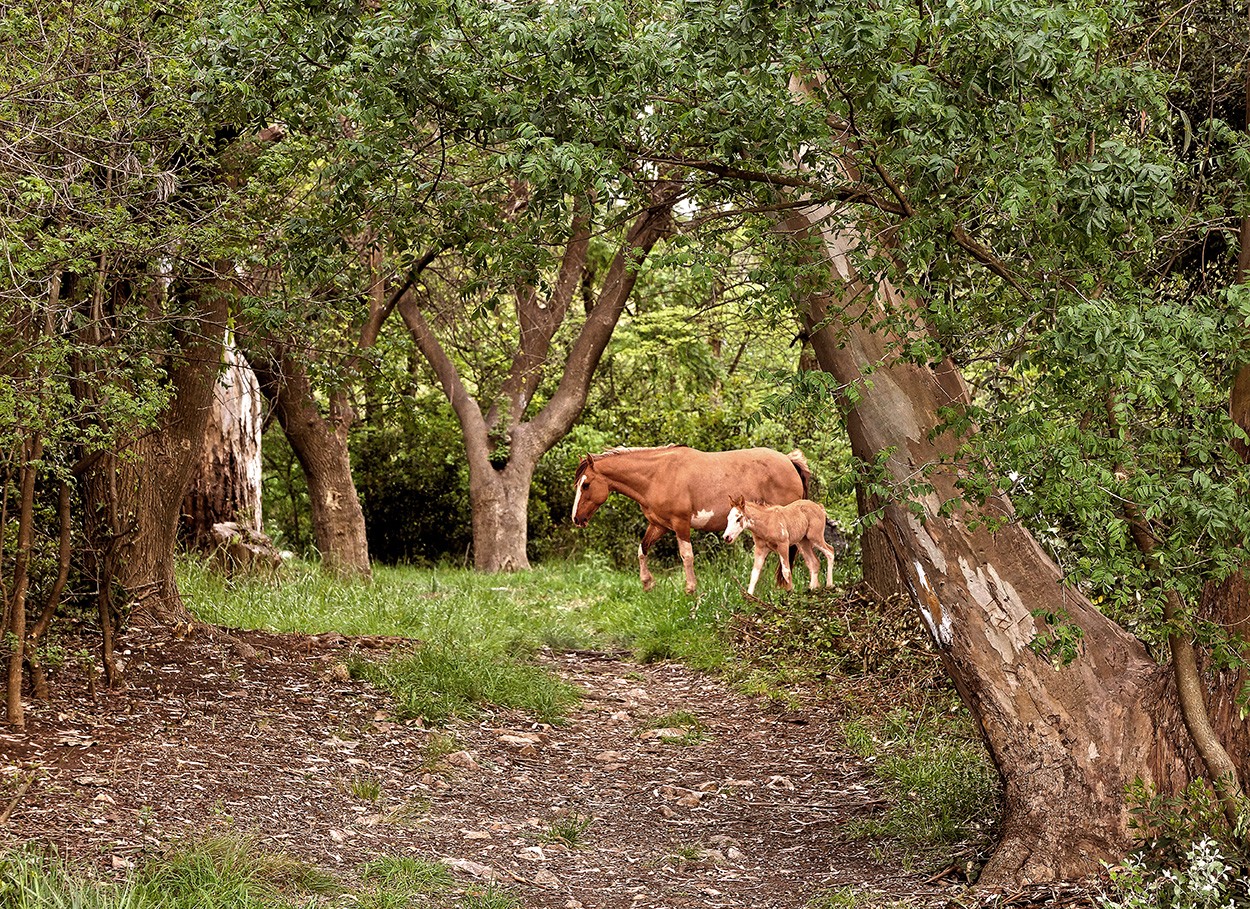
<point>227,482</point>
<point>320,444</point>
<point>134,502</point>
<point>500,502</point>
<point>1067,741</point>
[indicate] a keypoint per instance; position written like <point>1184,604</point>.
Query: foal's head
<point>737,520</point>
<point>589,491</point>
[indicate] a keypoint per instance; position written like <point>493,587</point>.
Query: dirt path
<point>745,811</point>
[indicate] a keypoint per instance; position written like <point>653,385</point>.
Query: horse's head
<point>590,490</point>
<point>737,520</point>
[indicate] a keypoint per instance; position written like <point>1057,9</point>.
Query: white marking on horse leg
<point>687,562</point>
<point>760,556</point>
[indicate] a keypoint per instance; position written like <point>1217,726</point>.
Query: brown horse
<point>775,528</point>
<point>682,489</point>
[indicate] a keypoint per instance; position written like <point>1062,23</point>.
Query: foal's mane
<point>621,449</point>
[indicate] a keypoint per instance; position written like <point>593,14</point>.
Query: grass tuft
<point>943,791</point>
<point>449,679</point>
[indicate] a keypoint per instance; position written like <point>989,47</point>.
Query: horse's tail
<point>805,472</point>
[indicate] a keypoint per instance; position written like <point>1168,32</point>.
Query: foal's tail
<point>805,472</point>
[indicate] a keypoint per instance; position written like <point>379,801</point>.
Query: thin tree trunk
<point>320,445</point>
<point>16,630</point>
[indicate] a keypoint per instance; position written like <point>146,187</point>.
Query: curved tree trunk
<point>1067,741</point>
<point>227,483</point>
<point>320,444</point>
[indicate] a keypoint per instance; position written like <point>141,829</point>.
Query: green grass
<point>562,606</point>
<point>235,873</point>
<point>942,789</point>
<point>216,873</point>
<point>479,632</point>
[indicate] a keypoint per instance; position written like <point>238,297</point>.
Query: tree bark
<point>1067,741</point>
<point>226,486</point>
<point>320,444</point>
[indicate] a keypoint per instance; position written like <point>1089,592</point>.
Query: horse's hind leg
<point>813,563</point>
<point>830,555</point>
<point>653,533</point>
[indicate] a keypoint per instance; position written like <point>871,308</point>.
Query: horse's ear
<point>737,502</point>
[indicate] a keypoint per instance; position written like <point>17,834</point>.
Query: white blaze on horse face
<point>577,498</point>
<point>734,524</point>
<point>701,519</point>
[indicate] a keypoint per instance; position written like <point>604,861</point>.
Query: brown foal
<point>775,528</point>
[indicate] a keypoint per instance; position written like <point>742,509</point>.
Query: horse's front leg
<point>653,533</point>
<point>686,550</point>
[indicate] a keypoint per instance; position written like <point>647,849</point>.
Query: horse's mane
<point>621,449</point>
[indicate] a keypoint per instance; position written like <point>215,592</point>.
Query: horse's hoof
<point>648,584</point>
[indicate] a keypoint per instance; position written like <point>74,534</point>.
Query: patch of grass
<point>437,747</point>
<point>692,733</point>
<point>409,812</point>
<point>365,788</point>
<point>30,879</point>
<point>406,876</point>
<point>569,830</point>
<point>941,786</point>
<point>838,898</point>
<point>230,873</point>
<point>446,679</point>
<point>490,897</point>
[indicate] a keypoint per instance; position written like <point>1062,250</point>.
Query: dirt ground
<point>282,745</point>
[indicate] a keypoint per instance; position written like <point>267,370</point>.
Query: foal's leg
<point>761,553</point>
<point>783,553</point>
<point>829,555</point>
<point>813,563</point>
<point>653,533</point>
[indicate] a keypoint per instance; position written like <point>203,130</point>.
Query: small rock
<point>779,782</point>
<point>533,854</point>
<point>734,854</point>
<point>665,732</point>
<point>104,797</point>
<point>476,834</point>
<point>340,673</point>
<point>339,836</point>
<point>546,878</point>
<point>464,760</point>
<point>740,784</point>
<point>471,868</point>
<point>611,757</point>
